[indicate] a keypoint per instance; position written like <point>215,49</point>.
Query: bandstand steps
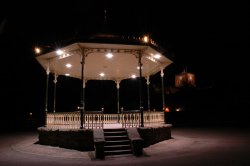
<point>117,147</point>
<point>120,142</point>
<point>114,130</point>
<point>117,142</point>
<point>118,152</point>
<point>115,133</point>
<point>116,138</point>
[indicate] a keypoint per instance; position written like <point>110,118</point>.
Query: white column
<point>55,81</point>
<point>84,83</point>
<point>140,88</point>
<point>82,118</point>
<point>118,95</point>
<point>148,92</point>
<point>162,89</point>
<point>46,93</point>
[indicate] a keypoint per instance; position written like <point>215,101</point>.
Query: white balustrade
<point>97,119</point>
<point>153,119</point>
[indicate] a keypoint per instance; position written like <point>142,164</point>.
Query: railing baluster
<point>97,119</point>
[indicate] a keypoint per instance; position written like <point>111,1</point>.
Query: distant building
<point>185,79</point>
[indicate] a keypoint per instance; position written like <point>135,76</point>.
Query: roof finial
<point>185,69</point>
<point>105,15</point>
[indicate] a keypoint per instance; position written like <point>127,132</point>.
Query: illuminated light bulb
<point>68,65</point>
<point>102,74</point>
<point>59,52</point>
<point>167,109</point>
<point>133,76</point>
<point>109,55</point>
<point>157,56</point>
<point>37,50</point>
<point>145,39</point>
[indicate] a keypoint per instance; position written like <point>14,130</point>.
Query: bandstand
<point>105,57</point>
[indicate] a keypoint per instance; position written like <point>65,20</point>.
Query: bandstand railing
<point>130,118</point>
<point>97,119</point>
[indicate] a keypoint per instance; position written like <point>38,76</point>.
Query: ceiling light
<point>157,56</point>
<point>102,74</point>
<point>59,52</point>
<point>138,67</point>
<point>145,39</point>
<point>109,55</point>
<point>37,50</point>
<point>68,65</point>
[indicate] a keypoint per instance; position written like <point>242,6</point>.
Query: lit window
<point>167,109</point>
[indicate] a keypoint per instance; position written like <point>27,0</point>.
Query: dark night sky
<point>211,39</point>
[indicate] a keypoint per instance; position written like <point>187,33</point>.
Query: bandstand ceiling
<point>122,65</point>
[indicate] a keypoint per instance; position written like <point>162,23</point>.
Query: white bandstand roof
<point>122,65</point>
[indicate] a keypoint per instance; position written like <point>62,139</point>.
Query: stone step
<point>119,156</point>
<point>118,142</point>
<point>115,133</point>
<point>118,152</point>
<point>117,147</point>
<point>116,138</point>
<point>113,130</point>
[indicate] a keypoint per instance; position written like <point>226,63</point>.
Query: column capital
<point>47,71</point>
<point>47,68</point>
<point>84,83</point>
<point>55,78</point>
<point>148,82</point>
<point>117,83</point>
<point>162,72</point>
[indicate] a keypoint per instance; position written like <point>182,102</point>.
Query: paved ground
<point>189,146</point>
